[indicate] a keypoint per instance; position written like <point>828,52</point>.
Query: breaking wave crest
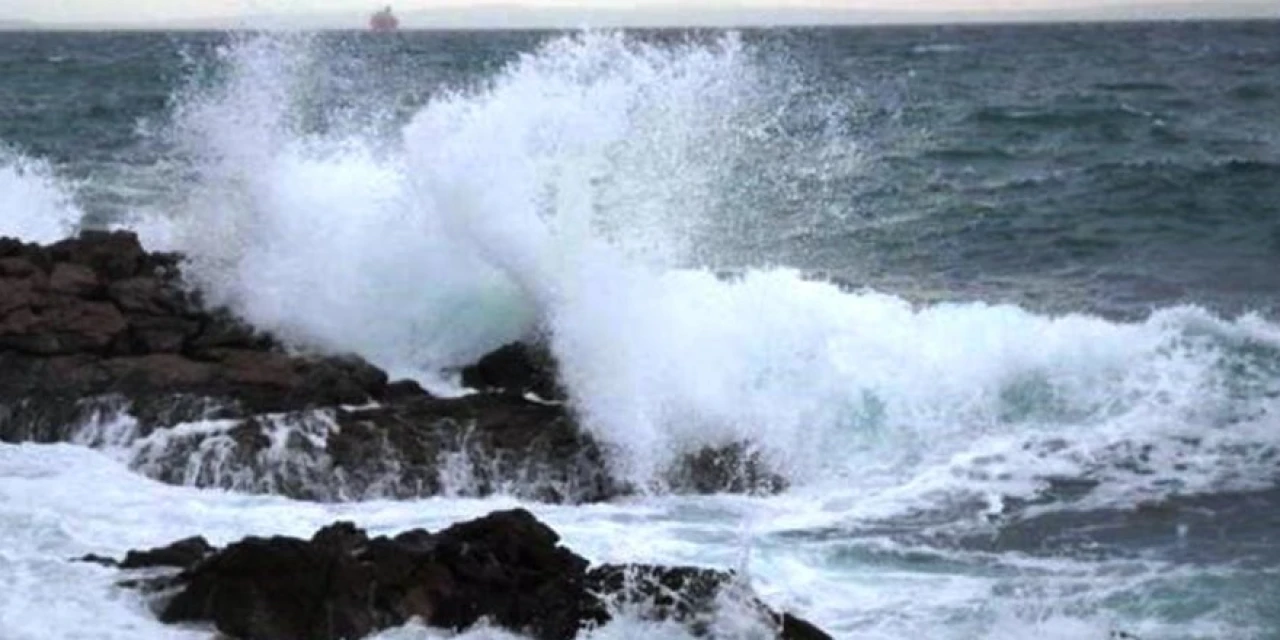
<point>583,193</point>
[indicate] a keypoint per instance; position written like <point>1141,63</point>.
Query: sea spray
<point>320,239</point>
<point>35,205</point>
<point>579,193</point>
<point>426,257</point>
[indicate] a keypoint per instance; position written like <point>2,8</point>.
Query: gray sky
<point>426,13</point>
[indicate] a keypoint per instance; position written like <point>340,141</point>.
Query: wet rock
<point>506,567</point>
<point>18,267</point>
<point>96,316</point>
<point>691,596</point>
<point>113,255</point>
<point>56,325</point>
<point>736,468</point>
<point>478,444</point>
<point>94,558</point>
<point>517,368</point>
<point>151,296</point>
<point>182,554</point>
<point>682,594</point>
<point>219,330</point>
<point>160,334</point>
<point>74,280</point>
<point>94,328</point>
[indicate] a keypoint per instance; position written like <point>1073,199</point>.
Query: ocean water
<point>1000,302</point>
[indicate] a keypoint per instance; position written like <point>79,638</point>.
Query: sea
<point>1002,303</point>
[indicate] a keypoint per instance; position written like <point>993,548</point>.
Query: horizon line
<point>529,18</point>
<point>976,22</point>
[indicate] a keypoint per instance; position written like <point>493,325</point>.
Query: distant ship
<point>384,21</point>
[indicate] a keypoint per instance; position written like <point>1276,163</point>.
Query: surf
<point>578,197</point>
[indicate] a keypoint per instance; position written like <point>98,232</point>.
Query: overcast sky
<point>168,11</point>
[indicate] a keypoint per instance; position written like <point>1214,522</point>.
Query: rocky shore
<point>506,569</point>
<point>102,344</point>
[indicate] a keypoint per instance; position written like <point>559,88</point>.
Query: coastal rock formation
<point>95,328</point>
<point>97,317</point>
<point>507,568</point>
<point>102,344</point>
<point>516,368</point>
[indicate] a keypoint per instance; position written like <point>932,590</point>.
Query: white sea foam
<point>62,501</point>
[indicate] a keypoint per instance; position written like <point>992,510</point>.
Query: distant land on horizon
<point>519,17</point>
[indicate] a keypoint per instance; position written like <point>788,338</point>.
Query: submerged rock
<point>507,568</point>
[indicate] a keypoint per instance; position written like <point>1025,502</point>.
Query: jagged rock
<point>150,295</point>
<point>94,558</point>
<point>735,468</point>
<point>113,255</point>
<point>93,327</point>
<point>96,316</point>
<point>42,324</point>
<point>506,567</point>
<point>496,442</point>
<point>152,334</point>
<point>182,554</point>
<point>689,595</point>
<point>517,368</point>
<point>18,267</point>
<point>74,280</point>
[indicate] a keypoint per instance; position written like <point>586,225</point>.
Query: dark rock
<point>94,327</point>
<point>74,280</point>
<point>94,324</point>
<point>340,537</point>
<point>113,255</point>
<point>21,293</point>
<point>160,334</point>
<point>517,368</point>
<point>134,375</point>
<point>57,325</point>
<point>94,558</point>
<point>277,589</point>
<point>733,469</point>
<point>507,568</point>
<point>150,296</point>
<point>690,596</point>
<point>159,347</point>
<point>404,390</point>
<point>182,554</point>
<point>18,267</point>
<point>220,330</point>
<point>683,594</point>
<point>484,443</point>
